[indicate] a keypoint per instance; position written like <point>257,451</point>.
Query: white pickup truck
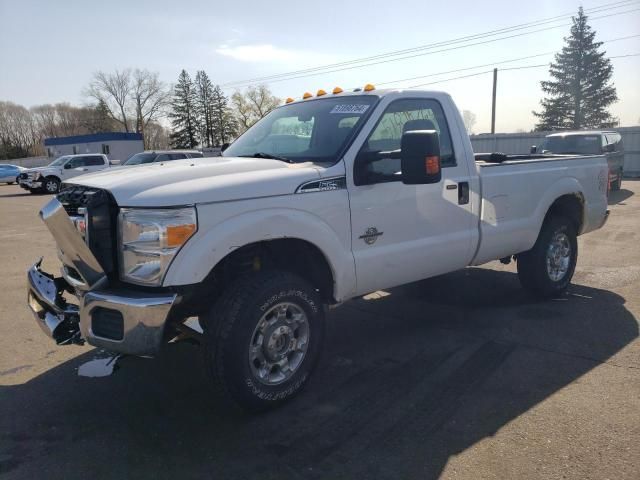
<point>325,199</point>
<point>48,179</point>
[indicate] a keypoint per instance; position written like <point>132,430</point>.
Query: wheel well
<point>287,254</point>
<point>570,206</point>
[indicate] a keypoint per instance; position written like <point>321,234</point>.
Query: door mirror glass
<point>420,157</point>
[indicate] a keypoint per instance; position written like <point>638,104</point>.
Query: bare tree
<point>469,119</point>
<point>115,90</point>
<point>253,104</point>
<point>150,96</point>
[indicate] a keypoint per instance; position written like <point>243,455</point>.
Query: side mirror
<point>609,148</point>
<point>68,166</point>
<point>533,149</point>
<point>224,146</point>
<point>420,157</point>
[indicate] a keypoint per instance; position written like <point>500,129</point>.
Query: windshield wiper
<point>268,156</point>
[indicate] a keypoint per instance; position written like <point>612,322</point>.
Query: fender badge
<point>371,235</point>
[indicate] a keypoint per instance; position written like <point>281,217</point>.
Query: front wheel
<point>263,339</point>
<point>548,267</point>
<point>51,185</point>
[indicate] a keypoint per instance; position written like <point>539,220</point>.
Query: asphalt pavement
<point>463,376</point>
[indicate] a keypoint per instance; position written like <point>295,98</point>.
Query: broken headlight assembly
<point>149,239</point>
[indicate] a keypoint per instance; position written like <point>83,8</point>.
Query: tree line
<point>135,100</point>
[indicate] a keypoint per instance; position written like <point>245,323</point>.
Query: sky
<point>49,50</point>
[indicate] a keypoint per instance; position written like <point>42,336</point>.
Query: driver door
<point>403,233</point>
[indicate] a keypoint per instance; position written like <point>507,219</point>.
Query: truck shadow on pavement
<point>409,378</point>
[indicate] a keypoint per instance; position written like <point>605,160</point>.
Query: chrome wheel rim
<point>558,256</point>
<point>279,344</point>
<point>51,186</point>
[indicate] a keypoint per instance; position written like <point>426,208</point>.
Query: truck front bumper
<point>127,321</point>
<point>30,184</point>
<point>119,321</point>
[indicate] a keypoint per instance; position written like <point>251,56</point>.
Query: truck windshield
<point>312,130</point>
<point>58,161</point>
<point>581,144</point>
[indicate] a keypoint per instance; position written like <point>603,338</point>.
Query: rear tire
<point>263,338</point>
<point>546,270</point>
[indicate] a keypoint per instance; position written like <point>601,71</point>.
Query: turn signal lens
<point>337,90</point>
<point>432,165</point>
<point>288,100</point>
<point>178,234</point>
<point>307,95</point>
<point>368,87</point>
<point>320,93</point>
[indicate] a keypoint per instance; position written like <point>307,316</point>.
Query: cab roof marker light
<point>337,90</point>
<point>306,95</point>
<point>288,100</point>
<point>368,87</point>
<point>320,93</point>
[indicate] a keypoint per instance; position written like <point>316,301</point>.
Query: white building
<point>115,145</point>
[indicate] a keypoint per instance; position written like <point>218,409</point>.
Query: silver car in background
<point>9,173</point>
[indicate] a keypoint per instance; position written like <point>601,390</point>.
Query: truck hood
<point>201,180</point>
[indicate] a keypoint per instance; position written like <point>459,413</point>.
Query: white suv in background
<point>48,179</point>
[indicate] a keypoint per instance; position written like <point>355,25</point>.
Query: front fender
<point>214,241</point>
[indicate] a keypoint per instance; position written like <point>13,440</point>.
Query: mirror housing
<point>609,148</point>
<point>68,166</point>
<point>420,157</point>
<point>533,149</point>
<point>224,146</point>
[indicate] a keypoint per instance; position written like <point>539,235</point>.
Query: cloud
<point>258,53</point>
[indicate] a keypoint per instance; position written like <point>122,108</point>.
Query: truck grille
<point>102,213</point>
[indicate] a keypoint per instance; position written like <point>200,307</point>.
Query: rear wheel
<point>263,339</point>
<point>548,267</point>
<point>51,185</point>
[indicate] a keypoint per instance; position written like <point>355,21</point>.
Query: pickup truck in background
<point>323,200</point>
<point>607,143</point>
<point>48,179</point>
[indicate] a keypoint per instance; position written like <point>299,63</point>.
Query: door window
<point>401,116</point>
<point>177,156</point>
<point>93,161</point>
<point>163,157</point>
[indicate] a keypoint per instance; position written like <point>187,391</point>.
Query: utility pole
<point>493,101</point>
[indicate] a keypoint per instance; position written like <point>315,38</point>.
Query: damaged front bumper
<point>120,320</point>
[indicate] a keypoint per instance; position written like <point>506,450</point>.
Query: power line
<point>351,64</point>
<point>494,63</point>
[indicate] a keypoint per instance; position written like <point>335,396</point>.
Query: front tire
<point>547,269</point>
<point>263,338</point>
<point>51,185</point>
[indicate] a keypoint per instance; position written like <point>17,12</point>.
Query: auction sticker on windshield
<point>357,109</point>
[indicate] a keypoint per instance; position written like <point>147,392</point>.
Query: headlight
<point>149,239</point>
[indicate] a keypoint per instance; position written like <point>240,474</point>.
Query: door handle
<point>463,193</point>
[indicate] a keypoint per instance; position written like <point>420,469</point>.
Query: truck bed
<point>517,191</point>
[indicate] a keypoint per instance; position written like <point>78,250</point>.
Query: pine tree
<point>580,92</point>
<point>225,126</point>
<point>184,121</point>
<point>204,91</point>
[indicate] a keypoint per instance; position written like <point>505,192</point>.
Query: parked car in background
<point>152,156</point>
<point>9,173</point>
<point>608,143</point>
<point>48,179</point>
